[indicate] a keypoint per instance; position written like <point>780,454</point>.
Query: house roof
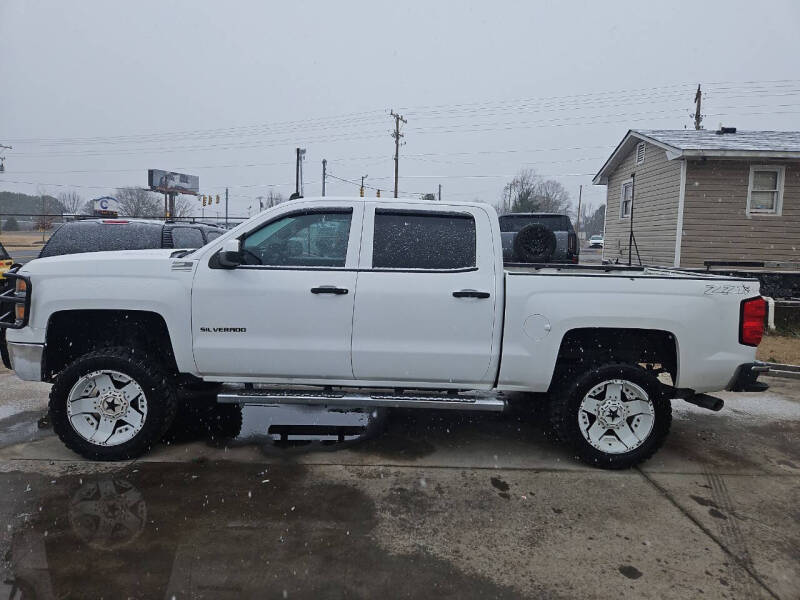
<point>690,143</point>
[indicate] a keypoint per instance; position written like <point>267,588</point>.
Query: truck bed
<point>613,271</point>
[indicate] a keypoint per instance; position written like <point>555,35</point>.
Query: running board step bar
<point>361,399</point>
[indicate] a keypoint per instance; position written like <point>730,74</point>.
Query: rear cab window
<point>409,239</point>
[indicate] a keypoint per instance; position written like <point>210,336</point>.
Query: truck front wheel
<point>112,404</point>
<point>614,416</point>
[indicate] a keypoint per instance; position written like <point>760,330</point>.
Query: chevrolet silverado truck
<point>375,303</point>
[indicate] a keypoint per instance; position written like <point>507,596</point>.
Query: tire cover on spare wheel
<point>534,243</point>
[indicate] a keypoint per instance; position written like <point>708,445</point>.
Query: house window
<point>640,153</point>
<point>626,199</point>
<point>765,194</point>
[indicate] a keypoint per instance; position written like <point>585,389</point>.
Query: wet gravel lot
<point>445,504</point>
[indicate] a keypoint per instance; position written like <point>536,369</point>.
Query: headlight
<point>21,287</point>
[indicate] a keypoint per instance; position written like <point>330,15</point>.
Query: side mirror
<point>230,256</point>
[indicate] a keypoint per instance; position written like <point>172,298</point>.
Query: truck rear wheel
<point>112,405</point>
<point>614,416</point>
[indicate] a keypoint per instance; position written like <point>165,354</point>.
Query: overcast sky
<point>92,94</point>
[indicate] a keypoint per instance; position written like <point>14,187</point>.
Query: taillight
<point>751,321</point>
<point>572,243</point>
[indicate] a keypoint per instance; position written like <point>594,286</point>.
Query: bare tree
<point>551,196</point>
<point>87,208</point>
<point>71,201</point>
<point>518,194</point>
<point>595,223</point>
<point>184,207</point>
<point>528,192</point>
<point>273,199</point>
<point>138,202</point>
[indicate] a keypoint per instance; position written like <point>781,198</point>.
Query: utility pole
<point>324,175</point>
<point>226,207</point>
<point>440,192</point>
<point>298,173</point>
<point>44,219</point>
<point>396,135</point>
<point>578,218</point>
<point>698,100</point>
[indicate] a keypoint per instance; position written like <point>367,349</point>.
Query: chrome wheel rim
<point>106,408</point>
<point>616,416</point>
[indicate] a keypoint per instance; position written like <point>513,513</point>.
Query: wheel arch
<point>586,347</point>
<point>73,333</point>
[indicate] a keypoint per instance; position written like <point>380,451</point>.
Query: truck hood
<point>103,264</point>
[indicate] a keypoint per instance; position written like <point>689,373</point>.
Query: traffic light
<point>217,198</point>
<point>361,192</point>
<point>204,200</point>
<point>378,195</point>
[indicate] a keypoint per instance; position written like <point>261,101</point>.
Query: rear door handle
<point>470,294</point>
<point>329,289</point>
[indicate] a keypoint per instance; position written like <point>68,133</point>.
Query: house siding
<point>715,223</point>
<point>655,212</point>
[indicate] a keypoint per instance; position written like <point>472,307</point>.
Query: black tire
<point>565,409</point>
<point>158,390</point>
<point>534,243</point>
<point>202,417</point>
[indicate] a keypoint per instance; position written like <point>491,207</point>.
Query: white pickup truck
<point>362,303</point>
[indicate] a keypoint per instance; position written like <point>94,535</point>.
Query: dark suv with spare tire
<point>538,238</point>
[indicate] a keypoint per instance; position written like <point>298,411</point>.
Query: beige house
<point>703,195</point>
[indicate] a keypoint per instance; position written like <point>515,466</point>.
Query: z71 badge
<point>726,289</point>
<point>223,330</point>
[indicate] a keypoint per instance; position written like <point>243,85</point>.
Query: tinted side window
<point>515,223</point>
<point>213,234</point>
<point>3,254</point>
<point>74,238</point>
<point>423,240</point>
<point>312,239</point>
<point>187,237</point>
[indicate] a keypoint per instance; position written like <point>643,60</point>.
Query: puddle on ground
<point>211,530</point>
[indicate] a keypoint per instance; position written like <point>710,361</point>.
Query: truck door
<point>287,311</point>
<point>427,307</point>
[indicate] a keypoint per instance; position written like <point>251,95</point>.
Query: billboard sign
<point>168,182</point>
<point>106,207</point>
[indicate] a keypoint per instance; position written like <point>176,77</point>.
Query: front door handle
<point>470,294</point>
<point>329,289</point>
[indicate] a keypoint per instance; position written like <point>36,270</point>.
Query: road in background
<point>24,256</point>
<point>591,256</point>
